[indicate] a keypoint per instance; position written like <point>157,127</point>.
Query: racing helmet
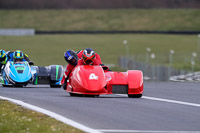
<point>3,57</point>
<point>88,56</point>
<point>18,55</point>
<point>71,57</point>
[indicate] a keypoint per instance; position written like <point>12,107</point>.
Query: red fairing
<point>93,80</point>
<point>133,79</point>
<point>88,80</point>
<point>135,87</point>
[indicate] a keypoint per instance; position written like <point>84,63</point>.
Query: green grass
<point>49,49</point>
<point>14,118</point>
<point>115,19</point>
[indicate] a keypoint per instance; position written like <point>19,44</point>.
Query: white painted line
<point>171,101</point>
<point>53,115</point>
<point>168,100</point>
<point>143,131</point>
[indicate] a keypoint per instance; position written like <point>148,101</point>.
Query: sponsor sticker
<point>93,77</point>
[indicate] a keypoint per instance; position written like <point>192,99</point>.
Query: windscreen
<point>20,69</point>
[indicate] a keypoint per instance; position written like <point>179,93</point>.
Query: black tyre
<point>64,87</point>
<point>55,86</point>
<point>75,95</point>
<point>7,85</point>
<point>18,86</point>
<point>134,95</point>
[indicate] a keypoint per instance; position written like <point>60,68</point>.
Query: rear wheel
<point>91,95</point>
<point>7,85</point>
<point>134,95</point>
<point>55,86</point>
<point>75,95</point>
<point>18,86</point>
<point>64,87</point>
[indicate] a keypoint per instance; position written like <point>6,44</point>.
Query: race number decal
<point>93,77</point>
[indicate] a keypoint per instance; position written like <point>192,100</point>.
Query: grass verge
<point>16,119</point>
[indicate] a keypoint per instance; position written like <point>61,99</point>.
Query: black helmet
<point>88,56</point>
<point>3,57</point>
<point>71,57</point>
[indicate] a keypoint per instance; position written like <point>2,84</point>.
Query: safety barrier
<point>17,32</point>
<point>153,72</point>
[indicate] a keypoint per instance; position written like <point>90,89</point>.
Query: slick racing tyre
<point>134,95</point>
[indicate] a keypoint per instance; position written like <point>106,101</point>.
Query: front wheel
<point>55,86</point>
<point>90,95</point>
<point>134,95</point>
<point>75,94</point>
<point>7,85</point>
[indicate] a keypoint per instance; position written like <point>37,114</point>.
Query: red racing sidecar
<point>97,80</point>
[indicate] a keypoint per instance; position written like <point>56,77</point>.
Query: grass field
<point>15,119</point>
<point>49,49</point>
<point>115,19</point>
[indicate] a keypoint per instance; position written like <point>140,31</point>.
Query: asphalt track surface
<point>118,113</point>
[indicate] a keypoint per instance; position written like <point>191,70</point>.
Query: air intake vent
<point>20,71</point>
<point>120,89</point>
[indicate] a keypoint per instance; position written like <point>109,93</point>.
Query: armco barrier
<point>25,32</point>
<point>17,32</point>
<point>118,32</point>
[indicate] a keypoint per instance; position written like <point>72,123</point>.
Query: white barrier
<point>190,77</point>
<point>17,32</point>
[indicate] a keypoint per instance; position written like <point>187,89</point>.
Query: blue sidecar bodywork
<point>19,74</point>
